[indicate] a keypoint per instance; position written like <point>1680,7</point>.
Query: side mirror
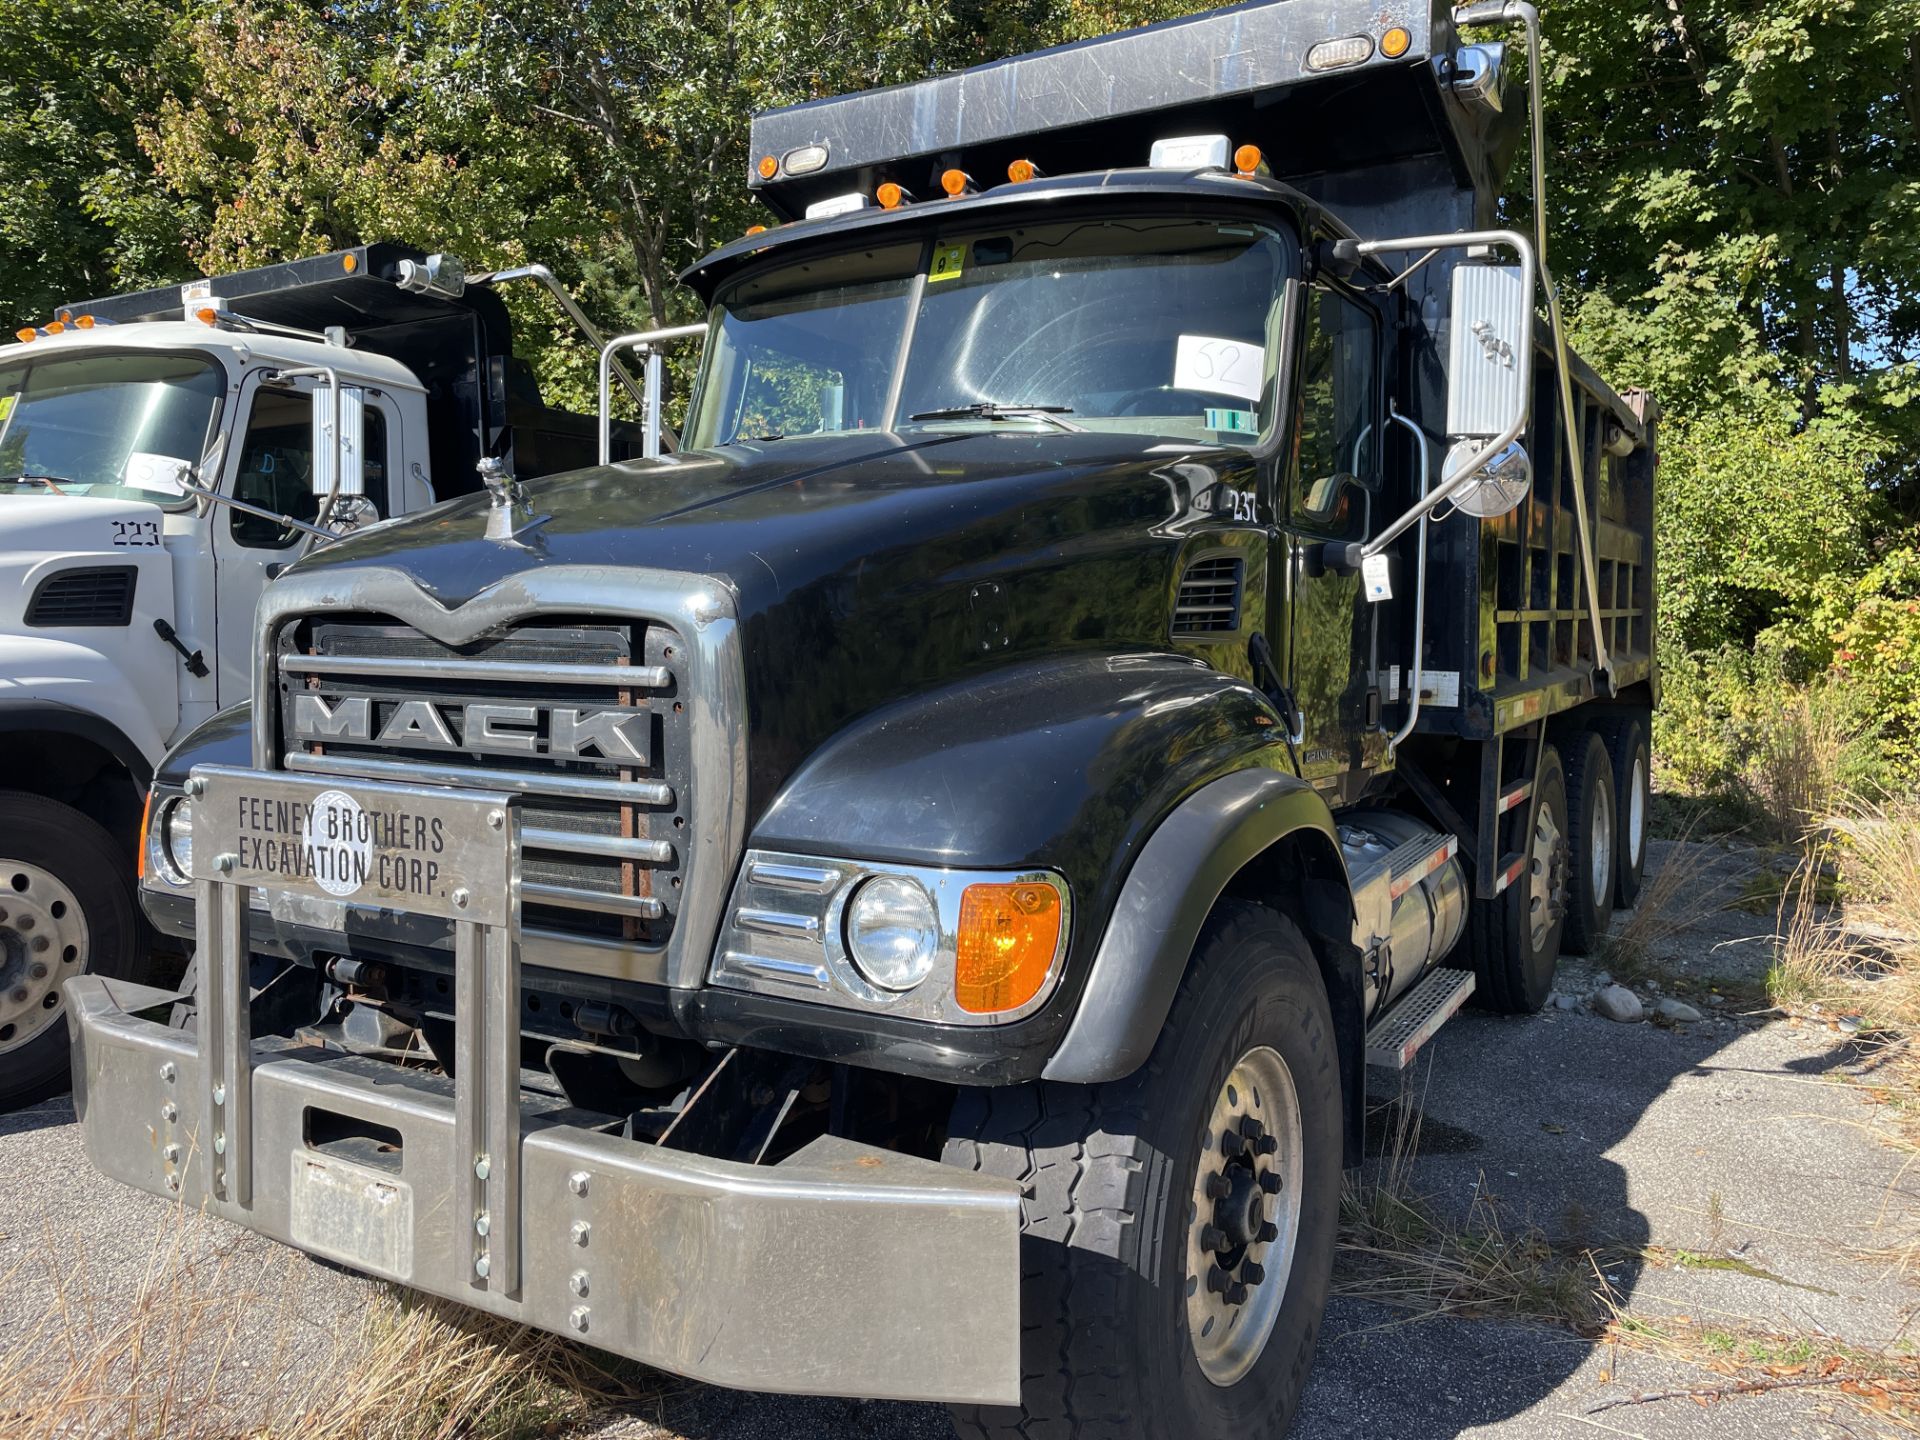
<point>1490,384</point>
<point>339,414</point>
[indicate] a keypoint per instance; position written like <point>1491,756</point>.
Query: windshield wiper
<point>52,482</point>
<point>988,410</point>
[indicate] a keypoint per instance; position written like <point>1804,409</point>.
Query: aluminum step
<point>1417,1017</point>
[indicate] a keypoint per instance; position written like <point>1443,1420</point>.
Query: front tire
<point>66,908</point>
<point>1149,1236</point>
<point>1632,760</point>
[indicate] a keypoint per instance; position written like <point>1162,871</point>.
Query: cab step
<point>1417,1017</point>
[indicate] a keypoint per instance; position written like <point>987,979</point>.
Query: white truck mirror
<point>338,440</point>
<point>1490,384</point>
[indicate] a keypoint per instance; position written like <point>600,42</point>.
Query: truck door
<point>271,465</point>
<point>1331,477</point>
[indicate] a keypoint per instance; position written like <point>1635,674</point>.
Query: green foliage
<point>1875,630</point>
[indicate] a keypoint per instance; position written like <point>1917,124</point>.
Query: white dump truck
<point>163,454</point>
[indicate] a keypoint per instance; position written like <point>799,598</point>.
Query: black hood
<point>866,566</point>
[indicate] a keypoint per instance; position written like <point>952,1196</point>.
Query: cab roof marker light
<point>1021,171</point>
<point>1192,152</point>
<point>957,183</point>
<point>838,205</point>
<point>55,327</point>
<point>804,160</point>
<point>892,196</point>
<point>756,230</point>
<point>26,334</point>
<point>85,322</point>
<point>1339,54</point>
<point>1248,162</point>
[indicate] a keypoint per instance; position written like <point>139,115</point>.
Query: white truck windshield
<point>120,425</point>
<point>1167,328</point>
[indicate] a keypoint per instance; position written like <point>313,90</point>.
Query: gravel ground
<point>1734,1136</point>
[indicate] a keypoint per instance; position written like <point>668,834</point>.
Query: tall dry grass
<point>216,1343</point>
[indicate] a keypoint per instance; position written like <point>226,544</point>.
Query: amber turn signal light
<point>768,167</point>
<point>140,854</point>
<point>956,183</point>
<point>1396,42</point>
<point>349,263</point>
<point>1009,935</point>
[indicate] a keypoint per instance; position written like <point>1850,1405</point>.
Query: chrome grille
<point>602,837</point>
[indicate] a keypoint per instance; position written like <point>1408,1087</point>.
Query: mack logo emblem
<point>569,733</point>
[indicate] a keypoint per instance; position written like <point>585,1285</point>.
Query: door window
<point>276,467</point>
<point>1339,407</point>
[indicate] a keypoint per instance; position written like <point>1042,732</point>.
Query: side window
<point>1339,395</point>
<point>276,467</point>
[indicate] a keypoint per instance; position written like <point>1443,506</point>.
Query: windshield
<point>126,426</point>
<point>1159,327</point>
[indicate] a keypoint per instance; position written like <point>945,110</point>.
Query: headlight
<point>893,932</point>
<point>176,840</point>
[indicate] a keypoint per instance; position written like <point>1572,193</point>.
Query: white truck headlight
<point>893,932</point>
<point>176,840</point>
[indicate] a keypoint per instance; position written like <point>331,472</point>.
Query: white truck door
<point>270,465</point>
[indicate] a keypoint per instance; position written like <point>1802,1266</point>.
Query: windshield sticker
<point>6,406</point>
<point>1234,422</point>
<point>146,471</point>
<point>1220,367</point>
<point>949,263</point>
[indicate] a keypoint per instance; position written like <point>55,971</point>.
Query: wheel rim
<point>43,940</point>
<point>1244,1216</point>
<point>1547,890</point>
<point>1600,846</point>
<point>1637,810</point>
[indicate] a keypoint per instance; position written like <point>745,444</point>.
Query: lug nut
<point>1266,1145</point>
<point>1231,1144</point>
<point>1237,1294</point>
<point>1267,1234</point>
<point>19,997</point>
<point>1253,1274</point>
<point>1269,1182</point>
<point>1252,1128</point>
<point>1218,1187</point>
<point>1217,1280</point>
<point>38,972</point>
<point>1212,1237</point>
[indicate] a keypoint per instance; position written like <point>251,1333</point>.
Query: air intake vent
<point>1209,602</point>
<point>102,596</point>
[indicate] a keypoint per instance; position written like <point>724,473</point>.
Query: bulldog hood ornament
<point>505,493</point>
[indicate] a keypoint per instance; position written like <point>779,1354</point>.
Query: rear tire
<point>1632,757</point>
<point>1513,939</point>
<point>66,908</point>
<point>1112,1233</point>
<point>1593,842</point>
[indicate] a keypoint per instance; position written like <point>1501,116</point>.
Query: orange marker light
<point>349,263</point>
<point>756,229</point>
<point>1009,935</point>
<point>85,322</point>
<point>956,183</point>
<point>890,196</point>
<point>54,327</point>
<point>1021,171</point>
<point>140,854</point>
<point>769,167</point>
<point>26,334</point>
<point>1246,160</point>
<point>207,315</point>
<point>1396,42</point>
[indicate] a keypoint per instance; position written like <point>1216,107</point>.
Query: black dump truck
<point>901,896</point>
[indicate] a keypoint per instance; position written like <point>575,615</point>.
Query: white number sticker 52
<point>1219,367</point>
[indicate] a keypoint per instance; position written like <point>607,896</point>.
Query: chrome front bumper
<point>844,1270</point>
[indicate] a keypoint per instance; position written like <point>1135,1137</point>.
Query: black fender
<point>226,739</point>
<point>1222,836</point>
<point>55,719</point>
<point>1070,764</point>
